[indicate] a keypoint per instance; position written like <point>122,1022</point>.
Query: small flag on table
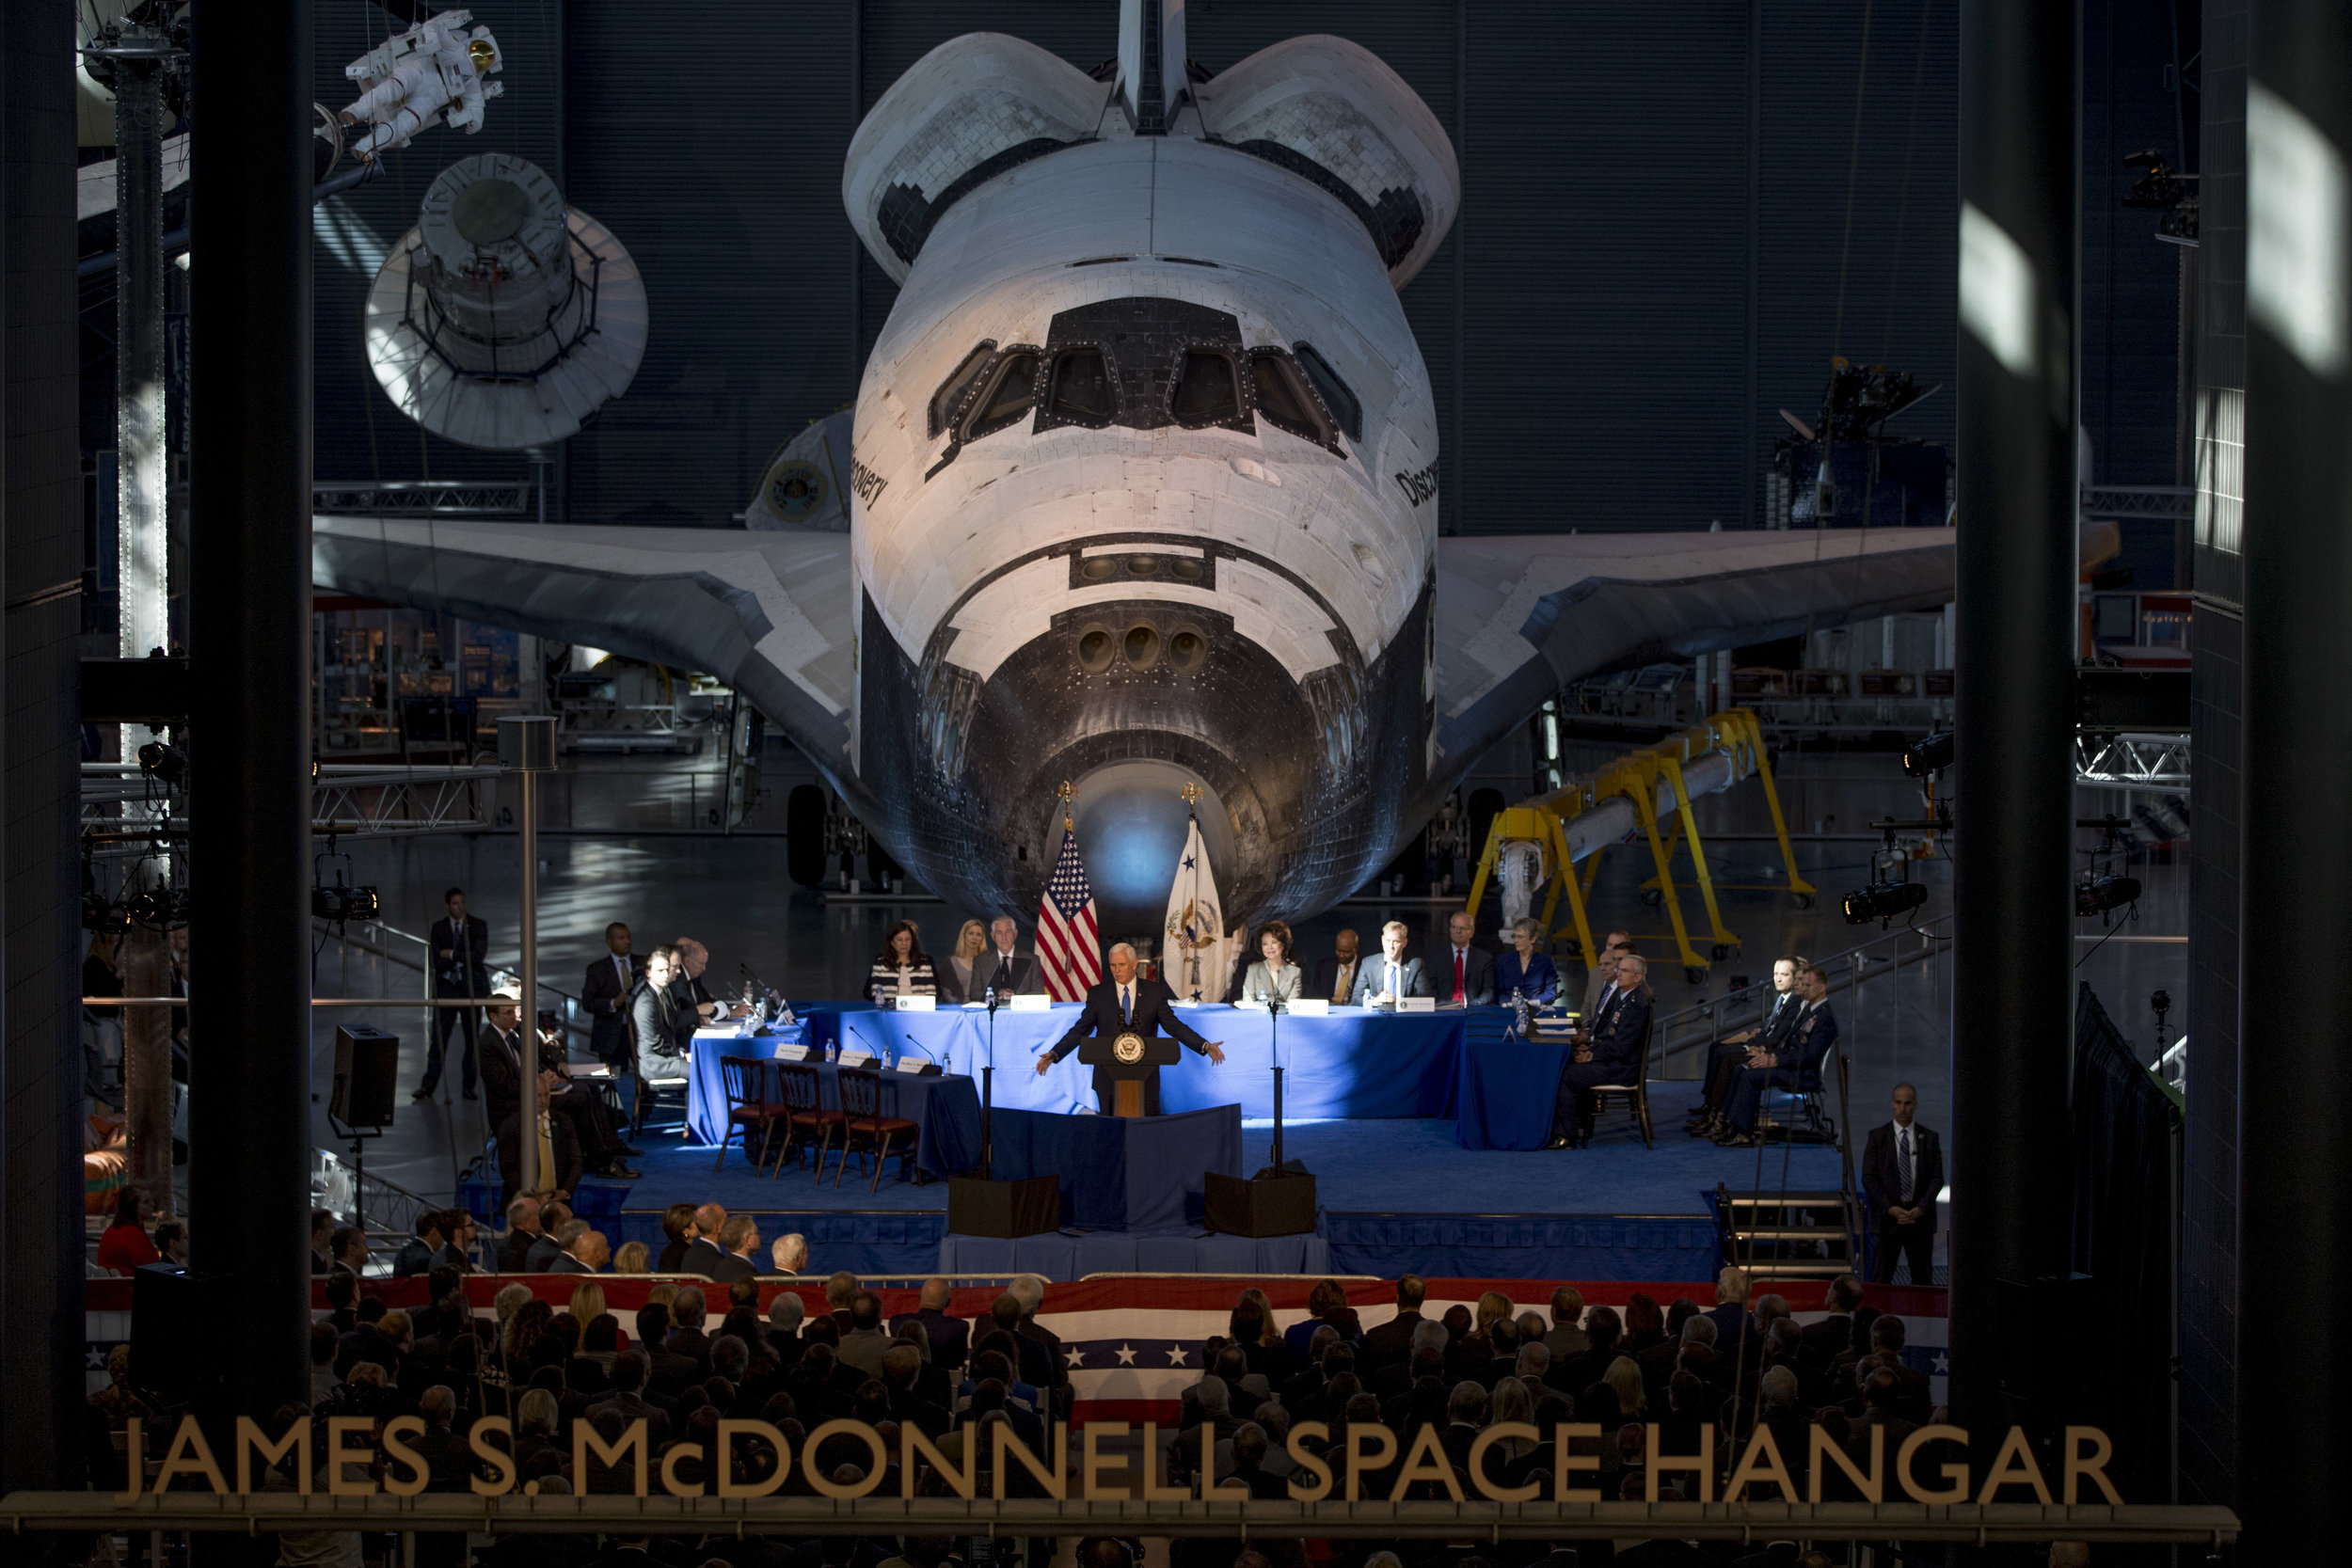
<point>1067,946</point>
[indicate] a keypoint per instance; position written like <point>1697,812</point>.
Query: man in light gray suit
<point>999,968</point>
<point>1392,974</point>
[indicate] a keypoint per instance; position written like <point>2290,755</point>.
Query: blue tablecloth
<point>945,1111</point>
<point>1066,1258</point>
<point>1354,1063</point>
<point>1119,1172</point>
<point>1508,1089</point>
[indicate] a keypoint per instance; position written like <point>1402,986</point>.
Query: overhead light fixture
<point>156,908</point>
<point>344,903</point>
<point>1883,901</point>
<point>98,913</point>
<point>1932,754</point>
<point>2100,894</point>
<point>167,764</point>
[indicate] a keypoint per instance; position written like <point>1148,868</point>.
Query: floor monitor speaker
<point>979,1206</point>
<point>1277,1204</point>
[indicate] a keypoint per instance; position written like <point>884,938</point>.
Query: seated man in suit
<point>600,1144</point>
<point>1611,1053</point>
<point>1000,969</point>
<point>1124,1002</point>
<point>1794,1065</point>
<point>1392,974</point>
<point>1335,976</point>
<point>1604,969</point>
<point>1727,1055</point>
<point>1466,975</point>
<point>1903,1171</point>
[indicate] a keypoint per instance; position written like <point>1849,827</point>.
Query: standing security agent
<point>460,944</point>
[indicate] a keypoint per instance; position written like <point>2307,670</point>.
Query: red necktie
<point>1457,974</point>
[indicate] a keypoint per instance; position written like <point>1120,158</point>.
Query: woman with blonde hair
<point>1625,1381</point>
<point>958,978</point>
<point>633,1257</point>
<point>587,1304</point>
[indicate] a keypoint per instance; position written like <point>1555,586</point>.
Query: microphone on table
<point>932,1066</point>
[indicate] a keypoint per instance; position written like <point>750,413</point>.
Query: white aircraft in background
<point>1141,490</point>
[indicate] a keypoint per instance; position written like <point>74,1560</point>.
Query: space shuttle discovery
<point>1142,489</point>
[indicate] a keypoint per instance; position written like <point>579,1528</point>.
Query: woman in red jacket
<point>124,1246</point>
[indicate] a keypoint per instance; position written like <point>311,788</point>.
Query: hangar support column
<point>2295,1083</point>
<point>249,754</point>
<point>2014,933</point>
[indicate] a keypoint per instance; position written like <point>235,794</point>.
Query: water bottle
<point>1521,1009</point>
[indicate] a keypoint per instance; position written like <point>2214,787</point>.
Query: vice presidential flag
<point>1067,946</point>
<point>1200,955</point>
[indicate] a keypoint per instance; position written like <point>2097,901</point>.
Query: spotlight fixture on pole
<point>1884,902</point>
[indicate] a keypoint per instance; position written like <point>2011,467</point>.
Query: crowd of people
<point>698,1353</point>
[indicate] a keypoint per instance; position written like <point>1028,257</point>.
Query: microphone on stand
<point>932,1066</point>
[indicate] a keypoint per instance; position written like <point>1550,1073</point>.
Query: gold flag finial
<point>1192,793</point>
<point>1068,792</point>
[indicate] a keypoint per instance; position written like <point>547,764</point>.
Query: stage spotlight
<point>167,762</point>
<point>99,914</point>
<point>2101,894</point>
<point>1929,755</point>
<point>1883,901</point>
<point>156,908</point>
<point>344,903</point>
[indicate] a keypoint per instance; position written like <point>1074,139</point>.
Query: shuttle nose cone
<point>1131,825</point>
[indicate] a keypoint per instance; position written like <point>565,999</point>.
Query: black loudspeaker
<point>175,1322</point>
<point>1278,1204</point>
<point>1029,1207</point>
<point>367,1076</point>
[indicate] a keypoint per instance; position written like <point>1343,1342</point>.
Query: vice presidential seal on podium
<point>1128,1031</point>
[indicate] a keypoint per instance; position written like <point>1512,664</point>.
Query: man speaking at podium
<point>1123,1003</point>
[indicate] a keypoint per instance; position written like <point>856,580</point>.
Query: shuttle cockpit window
<point>1011,389</point>
<point>1082,391</point>
<point>1286,400</point>
<point>1336,395</point>
<point>949,403</point>
<point>1207,390</point>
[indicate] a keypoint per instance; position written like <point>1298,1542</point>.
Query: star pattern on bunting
<point>1175,1356</point>
<point>1126,1356</point>
<point>1077,1356</point>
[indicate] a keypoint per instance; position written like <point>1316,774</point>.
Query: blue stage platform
<point>1397,1194</point>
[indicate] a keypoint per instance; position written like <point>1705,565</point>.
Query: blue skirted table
<point>945,1111</point>
<point>1507,1093</point>
<point>1355,1063</point>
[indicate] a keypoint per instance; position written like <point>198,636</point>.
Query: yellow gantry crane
<point>1580,820</point>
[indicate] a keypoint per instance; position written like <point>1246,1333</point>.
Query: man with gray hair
<point>1567,1340</point>
<point>790,1253</point>
<point>1125,1004</point>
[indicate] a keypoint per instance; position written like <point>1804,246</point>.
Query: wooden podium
<point>1126,1061</point>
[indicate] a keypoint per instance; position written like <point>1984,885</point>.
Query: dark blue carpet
<point>1396,1195</point>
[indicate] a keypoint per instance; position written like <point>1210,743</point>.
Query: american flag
<point>1067,942</point>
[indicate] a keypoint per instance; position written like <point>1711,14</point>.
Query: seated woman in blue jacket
<point>1523,969</point>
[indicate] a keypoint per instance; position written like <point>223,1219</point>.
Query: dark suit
<point>1724,1058</point>
<point>1881,1181</point>
<point>1539,981</point>
<point>1372,978</point>
<point>560,1143</point>
<point>1811,1032</point>
<point>1392,1343</point>
<point>702,1257</point>
<point>734,1267</point>
<point>951,1338</point>
<point>1019,974</point>
<point>605,994</point>
<point>1327,981</point>
<point>1615,1049</point>
<point>1478,975</point>
<point>463,972</point>
<point>1154,1012</point>
<point>592,1132</point>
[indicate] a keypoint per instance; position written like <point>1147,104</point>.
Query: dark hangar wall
<point>1650,264</point>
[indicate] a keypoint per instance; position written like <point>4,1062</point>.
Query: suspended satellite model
<point>504,318</point>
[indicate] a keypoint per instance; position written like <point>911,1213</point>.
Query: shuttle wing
<point>768,612</point>
<point>1520,616</point>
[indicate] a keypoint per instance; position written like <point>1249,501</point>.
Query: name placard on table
<point>1031,1001</point>
<point>1317,1007</point>
<point>1416,1003</point>
<point>915,1004</point>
